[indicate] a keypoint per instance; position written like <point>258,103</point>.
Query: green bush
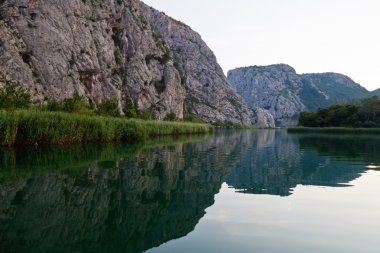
<point>109,108</point>
<point>129,110</point>
<point>171,117</point>
<point>145,114</point>
<point>131,113</point>
<point>54,105</point>
<point>192,118</point>
<point>13,97</point>
<point>76,103</point>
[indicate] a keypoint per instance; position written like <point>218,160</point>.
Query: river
<point>238,191</point>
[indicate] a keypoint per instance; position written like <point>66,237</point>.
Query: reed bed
<point>32,127</point>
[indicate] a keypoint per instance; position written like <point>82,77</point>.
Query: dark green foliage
<point>109,108</point>
<point>145,114</point>
<point>54,106</point>
<point>14,97</point>
<point>370,110</point>
<point>131,113</point>
<point>355,114</point>
<point>129,110</point>
<point>192,118</point>
<point>76,103</point>
<point>171,117</point>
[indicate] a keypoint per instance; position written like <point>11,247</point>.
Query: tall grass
<point>334,130</point>
<point>32,127</point>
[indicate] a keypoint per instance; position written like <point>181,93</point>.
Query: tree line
<point>365,113</point>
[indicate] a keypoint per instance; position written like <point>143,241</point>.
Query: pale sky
<point>312,36</point>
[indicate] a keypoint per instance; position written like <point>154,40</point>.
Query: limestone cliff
<point>273,87</point>
<point>279,89</point>
<point>114,48</point>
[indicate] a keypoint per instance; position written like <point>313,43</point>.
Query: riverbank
<point>32,127</point>
<point>334,130</point>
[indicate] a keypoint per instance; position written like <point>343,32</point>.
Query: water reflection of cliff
<point>118,198</point>
<point>109,198</point>
<point>277,162</point>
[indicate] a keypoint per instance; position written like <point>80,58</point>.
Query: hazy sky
<point>311,35</point>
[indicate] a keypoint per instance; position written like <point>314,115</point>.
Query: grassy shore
<point>334,130</point>
<point>32,127</point>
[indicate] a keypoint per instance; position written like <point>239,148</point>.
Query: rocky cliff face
<point>279,89</point>
<point>108,49</point>
<point>273,88</point>
<point>208,92</point>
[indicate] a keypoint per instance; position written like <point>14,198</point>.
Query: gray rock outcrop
<point>284,93</point>
<point>115,49</point>
<point>273,88</point>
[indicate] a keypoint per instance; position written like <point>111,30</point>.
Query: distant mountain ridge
<point>376,92</point>
<point>284,93</point>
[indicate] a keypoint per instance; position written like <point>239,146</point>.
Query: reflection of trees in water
<point>364,148</point>
<point>276,164</point>
<point>127,200</point>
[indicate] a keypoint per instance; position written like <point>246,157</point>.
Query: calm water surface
<point>264,191</point>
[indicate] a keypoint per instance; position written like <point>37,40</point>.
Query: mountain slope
<point>273,88</point>
<point>375,92</point>
<point>121,49</point>
<point>279,89</point>
<point>333,87</point>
